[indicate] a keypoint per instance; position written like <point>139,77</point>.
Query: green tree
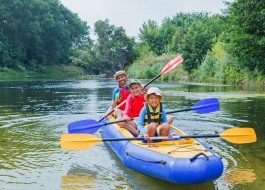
<point>150,35</point>
<point>38,31</point>
<point>166,39</point>
<point>113,50</point>
<point>247,37</point>
<point>197,42</point>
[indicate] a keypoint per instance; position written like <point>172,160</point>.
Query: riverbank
<point>149,66</point>
<point>48,71</point>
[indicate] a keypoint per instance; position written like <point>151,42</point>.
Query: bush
<point>151,65</point>
<point>221,67</point>
<point>21,68</point>
<point>42,69</point>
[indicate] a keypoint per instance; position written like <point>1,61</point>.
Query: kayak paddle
<point>86,141</point>
<point>91,126</point>
<point>168,67</point>
<point>203,106</point>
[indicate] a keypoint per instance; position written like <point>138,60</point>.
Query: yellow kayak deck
<point>178,149</point>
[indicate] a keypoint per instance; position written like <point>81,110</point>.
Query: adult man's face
<point>122,79</point>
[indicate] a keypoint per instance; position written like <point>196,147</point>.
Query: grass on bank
<point>41,71</point>
<point>151,65</point>
<point>223,68</point>
<point>218,67</point>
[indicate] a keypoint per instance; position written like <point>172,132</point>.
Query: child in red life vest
<point>152,119</point>
<point>134,104</point>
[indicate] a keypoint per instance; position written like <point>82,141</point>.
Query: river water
<point>34,113</point>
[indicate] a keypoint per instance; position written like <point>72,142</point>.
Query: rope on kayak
<point>163,162</point>
<point>197,155</point>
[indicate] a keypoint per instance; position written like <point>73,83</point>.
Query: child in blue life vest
<point>152,119</point>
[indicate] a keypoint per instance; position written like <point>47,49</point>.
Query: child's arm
<point>165,120</point>
<point>141,121</point>
<point>127,107</point>
<point>164,116</point>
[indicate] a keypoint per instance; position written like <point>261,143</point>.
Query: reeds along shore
<point>218,67</point>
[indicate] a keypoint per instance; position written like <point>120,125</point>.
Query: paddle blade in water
<point>78,141</point>
<point>239,135</point>
<point>89,126</point>
<point>207,105</point>
<point>171,65</point>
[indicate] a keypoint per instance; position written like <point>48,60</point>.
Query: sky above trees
<point>131,14</point>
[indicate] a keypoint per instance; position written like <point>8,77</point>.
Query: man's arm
<point>141,121</point>
<point>115,99</point>
<point>113,105</point>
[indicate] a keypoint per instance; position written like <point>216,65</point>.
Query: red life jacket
<point>137,105</point>
<point>124,95</point>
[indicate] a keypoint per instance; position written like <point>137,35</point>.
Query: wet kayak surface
<point>34,113</point>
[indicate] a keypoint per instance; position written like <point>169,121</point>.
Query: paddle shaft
<point>151,138</point>
<point>186,109</point>
<point>152,80</point>
<point>85,141</point>
<point>182,110</point>
<point>116,121</point>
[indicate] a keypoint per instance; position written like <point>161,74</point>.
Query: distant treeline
<point>36,33</point>
<point>226,49</point>
<point>216,48</point>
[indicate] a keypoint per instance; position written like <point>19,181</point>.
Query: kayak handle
<point>163,162</point>
<point>197,155</point>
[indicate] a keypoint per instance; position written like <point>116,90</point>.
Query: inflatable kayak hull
<point>185,161</point>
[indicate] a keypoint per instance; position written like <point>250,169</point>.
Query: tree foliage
<point>113,50</point>
<point>247,37</point>
<point>199,39</point>
<point>38,32</point>
<point>197,42</point>
<point>191,34</point>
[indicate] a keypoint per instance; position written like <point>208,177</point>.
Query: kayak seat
<point>170,130</point>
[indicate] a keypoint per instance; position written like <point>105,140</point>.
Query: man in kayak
<point>134,104</point>
<point>120,94</point>
<point>152,119</point>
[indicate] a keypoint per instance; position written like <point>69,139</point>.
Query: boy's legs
<point>169,119</point>
<point>131,127</point>
<point>151,130</point>
<point>119,116</point>
<point>163,130</point>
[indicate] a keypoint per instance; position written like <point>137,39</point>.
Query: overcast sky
<point>131,14</point>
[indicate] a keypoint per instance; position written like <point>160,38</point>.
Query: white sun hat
<point>118,73</point>
<point>153,90</point>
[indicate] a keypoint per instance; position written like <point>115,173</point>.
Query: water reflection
<point>78,177</point>
<point>240,176</point>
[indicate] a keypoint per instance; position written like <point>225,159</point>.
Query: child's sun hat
<point>153,90</point>
<point>134,81</point>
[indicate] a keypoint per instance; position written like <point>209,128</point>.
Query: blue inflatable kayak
<point>182,161</point>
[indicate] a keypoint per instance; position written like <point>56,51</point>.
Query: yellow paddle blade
<point>239,135</point>
<point>78,141</point>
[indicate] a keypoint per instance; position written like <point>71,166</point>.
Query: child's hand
<point>170,136</point>
<point>144,89</point>
<point>105,115</point>
<point>146,137</point>
<point>128,119</point>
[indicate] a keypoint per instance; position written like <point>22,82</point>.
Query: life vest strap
<point>158,120</point>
